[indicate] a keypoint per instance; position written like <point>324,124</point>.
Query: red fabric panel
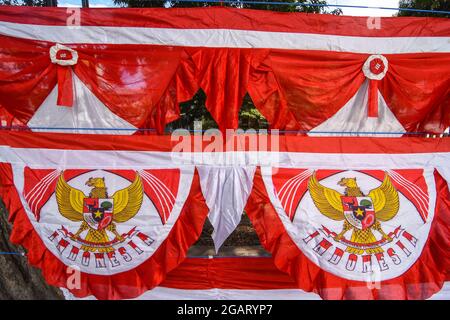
<point>223,76</point>
<point>230,18</point>
<point>422,280</point>
<point>65,86</point>
<point>228,273</point>
<point>26,76</point>
<point>123,285</point>
<point>141,84</point>
<point>298,90</point>
<point>372,108</point>
<point>286,143</point>
<point>7,120</point>
<point>131,80</point>
<point>417,90</point>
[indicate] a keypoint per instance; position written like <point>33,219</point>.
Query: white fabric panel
<point>352,117</point>
<point>217,38</point>
<point>226,190</point>
<point>51,158</point>
<point>79,159</point>
<point>161,293</point>
<point>87,112</point>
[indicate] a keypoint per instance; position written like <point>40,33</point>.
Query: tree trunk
<point>18,280</point>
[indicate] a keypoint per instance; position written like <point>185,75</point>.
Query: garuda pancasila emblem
<point>361,213</point>
<point>98,212</point>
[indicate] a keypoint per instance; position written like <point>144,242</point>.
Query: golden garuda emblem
<point>361,213</point>
<point>98,212</point>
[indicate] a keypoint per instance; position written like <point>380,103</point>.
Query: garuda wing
<point>128,201</point>
<point>385,200</point>
<point>69,199</point>
<point>327,200</point>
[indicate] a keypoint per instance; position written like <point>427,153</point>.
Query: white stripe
<point>423,203</point>
<point>291,180</point>
<point>162,293</point>
<point>166,190</point>
<point>154,188</point>
<point>291,185</point>
<point>157,188</point>
<point>229,38</point>
<point>415,191</point>
<point>419,191</point>
<point>290,193</point>
<point>293,196</point>
<point>30,194</point>
<point>43,158</point>
<point>43,186</point>
<point>423,207</point>
<point>42,193</point>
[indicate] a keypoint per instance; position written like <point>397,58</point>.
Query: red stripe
<point>287,143</point>
<point>228,273</point>
<point>230,18</point>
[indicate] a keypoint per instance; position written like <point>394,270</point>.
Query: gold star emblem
<point>98,214</point>
<point>359,212</point>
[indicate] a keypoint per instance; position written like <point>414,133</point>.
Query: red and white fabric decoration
<point>64,57</point>
<point>245,278</point>
<point>303,72</point>
<point>123,224</point>
<point>348,227</point>
<point>365,218</point>
<point>374,69</point>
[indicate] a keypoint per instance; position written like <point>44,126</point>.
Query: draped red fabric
<point>223,76</point>
<point>417,90</point>
<point>141,63</point>
<point>7,120</point>
<point>26,76</point>
<point>141,84</point>
<point>132,80</point>
<point>298,90</point>
<point>302,89</point>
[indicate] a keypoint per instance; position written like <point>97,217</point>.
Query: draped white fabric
<point>226,190</point>
<point>352,117</point>
<point>87,112</point>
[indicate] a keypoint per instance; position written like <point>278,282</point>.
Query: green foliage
<point>31,3</point>
<point>439,5</point>
<point>237,4</point>
<point>193,110</point>
<point>250,117</point>
<point>140,3</point>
